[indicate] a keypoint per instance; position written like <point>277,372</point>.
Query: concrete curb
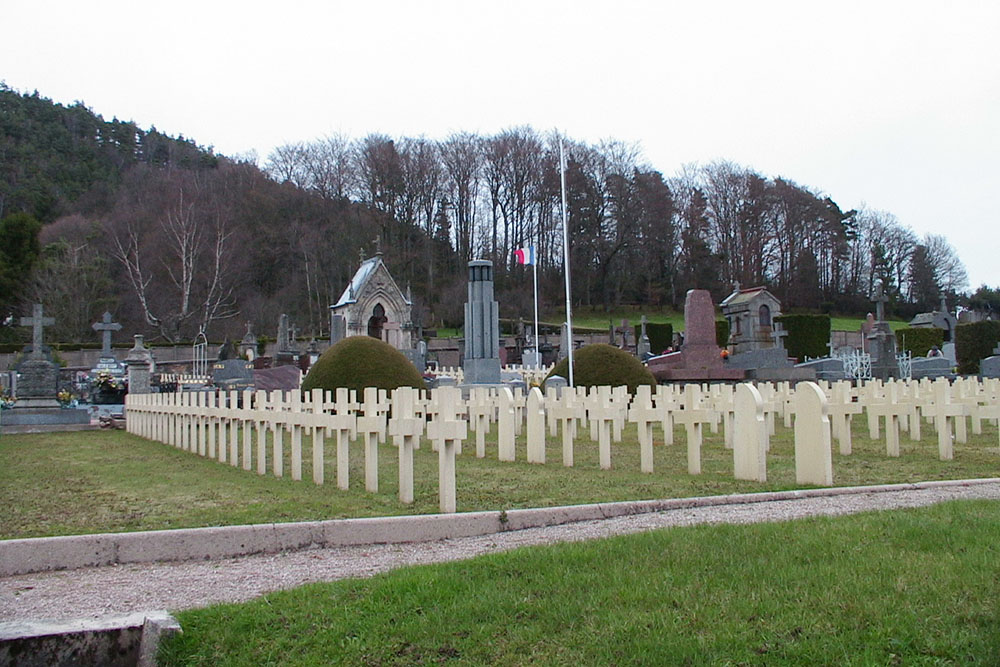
<point>23,556</point>
<point>111,640</point>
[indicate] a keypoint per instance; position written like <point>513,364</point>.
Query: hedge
<point>357,362</point>
<point>661,335</point>
<point>602,364</point>
<point>808,335</point>
<point>722,332</point>
<point>920,340</point>
<point>974,342</point>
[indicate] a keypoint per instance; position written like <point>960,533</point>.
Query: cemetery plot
<point>283,440</point>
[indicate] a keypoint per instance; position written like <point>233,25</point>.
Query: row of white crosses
<point>210,424</point>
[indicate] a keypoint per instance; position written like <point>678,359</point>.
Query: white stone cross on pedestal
<point>36,322</point>
<point>106,326</point>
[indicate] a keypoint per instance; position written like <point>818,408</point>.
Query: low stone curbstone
<point>23,556</point>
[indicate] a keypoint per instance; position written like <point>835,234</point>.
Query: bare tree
<point>947,267</point>
<point>289,164</point>
<point>462,157</point>
<point>177,266</point>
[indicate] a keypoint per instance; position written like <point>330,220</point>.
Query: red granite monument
<point>700,358</point>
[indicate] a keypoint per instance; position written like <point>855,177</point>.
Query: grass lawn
<point>908,587</point>
<point>100,481</point>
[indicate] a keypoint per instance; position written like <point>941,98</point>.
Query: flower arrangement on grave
<point>107,389</point>
<point>66,399</point>
<point>106,382</point>
<point>7,400</point>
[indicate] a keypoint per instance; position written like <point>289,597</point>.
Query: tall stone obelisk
<point>482,327</point>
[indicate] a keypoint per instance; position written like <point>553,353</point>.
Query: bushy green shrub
<point>974,342</point>
<point>660,334</point>
<point>602,364</point>
<point>919,340</point>
<point>808,335</point>
<point>722,332</point>
<point>362,361</point>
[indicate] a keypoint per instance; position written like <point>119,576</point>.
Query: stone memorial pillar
<point>139,362</point>
<point>338,329</point>
<point>482,327</point>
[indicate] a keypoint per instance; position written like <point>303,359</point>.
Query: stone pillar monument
<point>482,326</point>
<point>139,362</point>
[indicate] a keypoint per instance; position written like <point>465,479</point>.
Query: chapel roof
<point>744,296</point>
<point>362,275</point>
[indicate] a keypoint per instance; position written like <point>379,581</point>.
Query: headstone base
<point>482,371</point>
<point>37,420</point>
<point>990,367</point>
<point>831,370</point>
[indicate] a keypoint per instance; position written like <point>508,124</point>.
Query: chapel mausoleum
<point>373,305</point>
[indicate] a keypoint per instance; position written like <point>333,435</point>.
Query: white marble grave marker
<point>535,413</point>
<point>749,434</point>
<point>813,454</point>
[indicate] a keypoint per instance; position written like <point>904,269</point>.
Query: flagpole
<point>569,306</point>
<point>534,272</point>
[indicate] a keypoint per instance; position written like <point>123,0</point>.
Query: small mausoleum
<point>373,305</point>
<point>751,314</point>
<point>937,319</point>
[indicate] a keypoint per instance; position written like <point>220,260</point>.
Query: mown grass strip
<point>890,588</point>
<point>75,483</point>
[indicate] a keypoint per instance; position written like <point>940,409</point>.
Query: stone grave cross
<point>693,416</point>
<point>406,429</point>
<point>371,426</point>
<point>105,327</point>
<point>36,322</point>
<point>644,415</point>
<point>449,429</point>
<point>945,413</point>
<point>880,300</point>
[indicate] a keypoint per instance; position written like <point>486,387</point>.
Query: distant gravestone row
<point>821,413</point>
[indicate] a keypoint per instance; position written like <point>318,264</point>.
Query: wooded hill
<point>175,239</point>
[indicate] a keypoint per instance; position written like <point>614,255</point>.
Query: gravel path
<point>95,592</point>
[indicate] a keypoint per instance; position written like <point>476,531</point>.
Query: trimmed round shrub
<point>602,364</point>
<point>362,361</point>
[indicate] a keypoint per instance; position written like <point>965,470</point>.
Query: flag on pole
<point>525,255</point>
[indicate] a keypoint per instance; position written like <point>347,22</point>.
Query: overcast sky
<point>895,105</point>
